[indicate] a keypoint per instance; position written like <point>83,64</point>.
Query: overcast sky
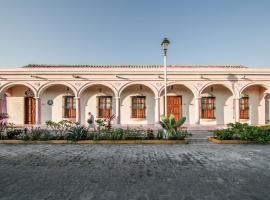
<point>229,32</point>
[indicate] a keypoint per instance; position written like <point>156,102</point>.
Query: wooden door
<point>174,106</point>
<point>30,110</point>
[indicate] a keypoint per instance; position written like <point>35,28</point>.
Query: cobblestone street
<point>84,172</point>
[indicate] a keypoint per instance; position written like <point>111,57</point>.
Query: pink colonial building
<point>205,95</point>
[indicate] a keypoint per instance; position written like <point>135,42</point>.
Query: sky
<point>129,32</point>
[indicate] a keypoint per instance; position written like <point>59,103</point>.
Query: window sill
<point>208,120</point>
<point>138,119</point>
<point>243,120</point>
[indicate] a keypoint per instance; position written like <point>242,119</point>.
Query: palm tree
<point>170,125</point>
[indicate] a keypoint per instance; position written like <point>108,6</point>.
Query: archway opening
<point>18,101</point>
<point>255,108</point>
<point>57,103</point>
<point>99,100</point>
<point>216,105</point>
<point>180,102</point>
<point>137,105</point>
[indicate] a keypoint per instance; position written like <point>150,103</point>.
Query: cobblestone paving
<point>129,172</point>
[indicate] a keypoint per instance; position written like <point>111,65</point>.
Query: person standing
<point>91,121</point>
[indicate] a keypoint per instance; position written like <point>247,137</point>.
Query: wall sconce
<point>211,89</point>
<point>141,87</point>
<point>75,76</point>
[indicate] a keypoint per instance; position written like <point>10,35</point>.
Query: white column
<point>38,110</point>
<point>157,110</point>
<point>237,110</point>
<point>165,83</point>
<point>78,110</point>
<point>261,120</point>
<point>197,110</point>
<point>117,110</point>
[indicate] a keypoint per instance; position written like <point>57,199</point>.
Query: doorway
<point>174,106</point>
<point>30,110</point>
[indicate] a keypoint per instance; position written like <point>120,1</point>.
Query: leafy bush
<point>76,133</point>
<point>160,134</point>
<point>134,134</point>
<point>244,132</point>
<point>150,134</point>
<point>60,126</point>
<point>13,133</point>
<point>180,135</point>
<point>170,125</point>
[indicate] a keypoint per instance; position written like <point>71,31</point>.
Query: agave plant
<point>170,125</point>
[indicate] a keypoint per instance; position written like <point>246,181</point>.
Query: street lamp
<point>165,43</point>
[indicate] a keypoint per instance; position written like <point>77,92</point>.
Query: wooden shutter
<point>244,108</point>
<point>208,108</point>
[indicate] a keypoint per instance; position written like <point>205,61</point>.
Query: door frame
<point>29,110</point>
<point>180,105</point>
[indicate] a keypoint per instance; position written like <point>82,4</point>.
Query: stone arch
<point>224,96</point>
<point>47,85</point>
<point>258,102</point>
<point>150,86</point>
<point>87,85</point>
<point>129,90</point>
<point>217,83</point>
<point>266,86</point>
<point>12,84</point>
<point>189,86</point>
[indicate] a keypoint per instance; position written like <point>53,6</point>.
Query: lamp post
<point>165,43</point>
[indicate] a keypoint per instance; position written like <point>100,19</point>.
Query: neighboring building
<point>205,95</point>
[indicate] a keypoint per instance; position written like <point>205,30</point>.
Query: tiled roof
<point>134,66</point>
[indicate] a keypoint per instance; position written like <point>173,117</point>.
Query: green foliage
<point>134,134</point>
<point>171,125</point>
<point>76,133</point>
<point>150,134</point>
<point>3,124</point>
<point>244,132</point>
<point>60,126</point>
<point>180,135</point>
<point>13,133</point>
<point>160,134</point>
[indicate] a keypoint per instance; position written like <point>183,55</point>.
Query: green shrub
<point>13,133</point>
<point>160,133</point>
<point>24,136</point>
<point>150,134</point>
<point>244,132</point>
<point>224,134</point>
<point>76,133</point>
<point>134,134</point>
<point>170,125</point>
<point>180,135</point>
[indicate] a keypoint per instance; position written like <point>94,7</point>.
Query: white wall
<point>125,105</point>
<point>267,109</point>
<point>254,93</point>
<point>53,112</point>
<point>188,107</point>
<point>15,104</point>
<point>224,105</point>
<point>89,101</point>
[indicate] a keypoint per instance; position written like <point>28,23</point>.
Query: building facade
<point>205,95</point>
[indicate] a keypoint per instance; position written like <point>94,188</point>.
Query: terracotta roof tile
<point>133,66</point>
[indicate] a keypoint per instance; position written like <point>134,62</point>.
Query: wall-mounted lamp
<point>76,76</point>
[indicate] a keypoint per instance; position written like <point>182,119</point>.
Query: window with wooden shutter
<point>244,108</point>
<point>104,106</point>
<point>208,108</point>
<point>138,107</point>
<point>69,107</point>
